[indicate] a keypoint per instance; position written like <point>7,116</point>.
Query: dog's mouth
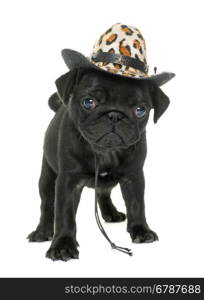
<point>110,141</point>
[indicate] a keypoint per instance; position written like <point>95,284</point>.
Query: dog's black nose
<point>115,116</point>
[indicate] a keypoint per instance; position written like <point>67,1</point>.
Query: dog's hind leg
<point>108,210</point>
<point>44,230</point>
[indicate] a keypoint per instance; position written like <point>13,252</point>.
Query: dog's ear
<point>160,103</point>
<point>66,83</point>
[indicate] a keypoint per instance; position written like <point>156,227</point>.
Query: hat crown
<point>121,39</point>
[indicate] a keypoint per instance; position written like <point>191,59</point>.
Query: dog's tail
<point>54,102</point>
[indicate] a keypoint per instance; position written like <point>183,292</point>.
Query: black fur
<point>54,102</point>
<point>113,133</point>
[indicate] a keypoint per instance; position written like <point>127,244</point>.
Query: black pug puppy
<point>103,116</point>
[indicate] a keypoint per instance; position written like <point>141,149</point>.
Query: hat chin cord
<point>113,245</point>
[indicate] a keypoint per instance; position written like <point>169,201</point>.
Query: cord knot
<point>113,246</point>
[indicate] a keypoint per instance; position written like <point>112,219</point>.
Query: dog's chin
<point>110,142</point>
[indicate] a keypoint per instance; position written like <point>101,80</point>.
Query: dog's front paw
<point>40,235</point>
<point>142,234</point>
<point>114,216</point>
<point>63,248</point>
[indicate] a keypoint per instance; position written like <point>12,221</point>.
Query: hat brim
<point>74,59</point>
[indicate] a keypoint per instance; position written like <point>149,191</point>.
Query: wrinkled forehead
<point>113,85</point>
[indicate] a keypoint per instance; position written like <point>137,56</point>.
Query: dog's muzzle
<point>111,130</point>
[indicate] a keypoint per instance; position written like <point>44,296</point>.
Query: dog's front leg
<point>132,187</point>
<point>68,192</point>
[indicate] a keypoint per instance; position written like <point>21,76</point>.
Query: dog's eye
<point>140,111</point>
<point>89,103</point>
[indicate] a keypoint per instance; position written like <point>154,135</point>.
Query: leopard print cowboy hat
<point>121,50</point>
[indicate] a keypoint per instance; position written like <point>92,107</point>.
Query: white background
<point>32,36</point>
